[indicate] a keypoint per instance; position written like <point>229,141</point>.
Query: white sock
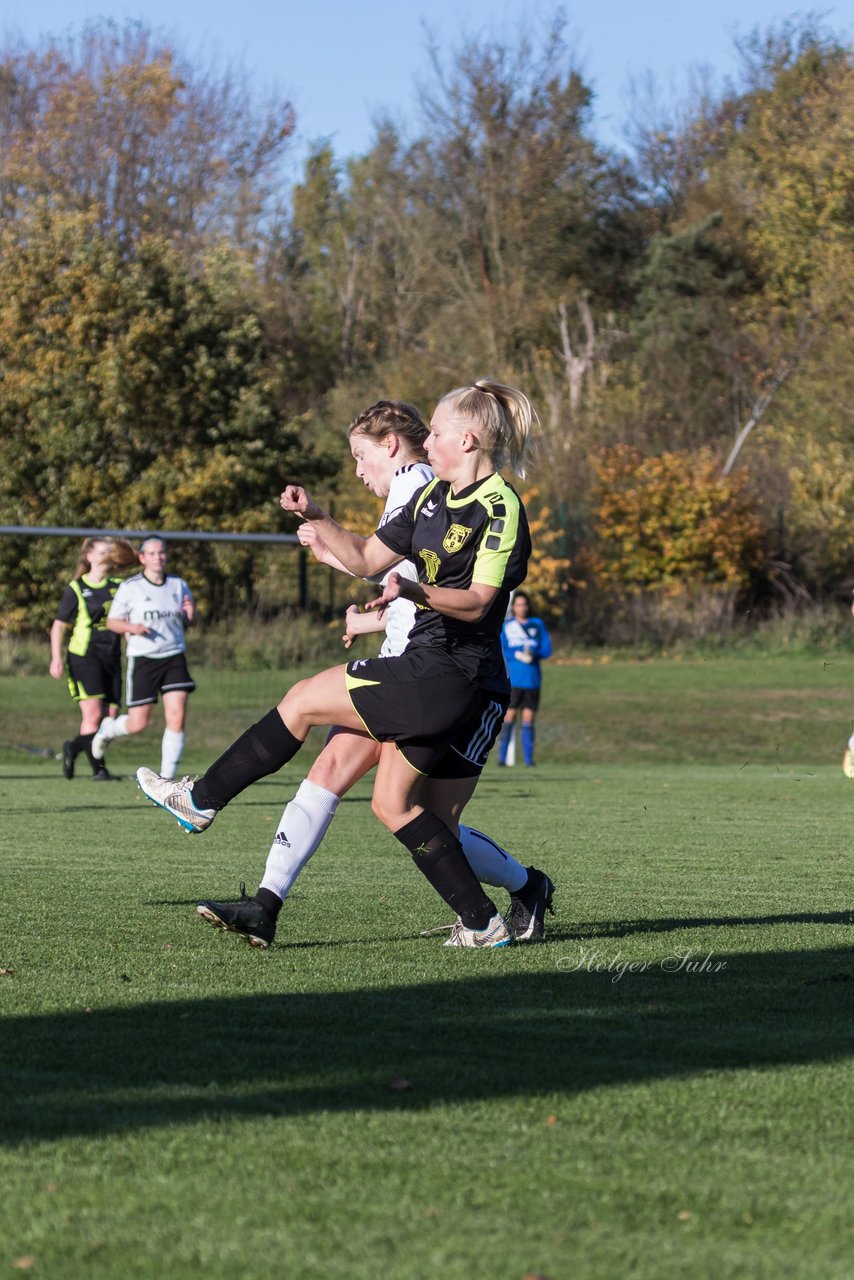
<point>108,729</point>
<point>171,750</point>
<point>301,829</point>
<point>851,742</point>
<point>490,863</point>
<point>113,728</point>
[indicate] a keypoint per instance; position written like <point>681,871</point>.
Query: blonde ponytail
<point>503,418</point>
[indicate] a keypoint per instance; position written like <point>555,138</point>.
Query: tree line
<point>180,329</point>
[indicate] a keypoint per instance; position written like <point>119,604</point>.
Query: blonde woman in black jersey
<point>438,707</point>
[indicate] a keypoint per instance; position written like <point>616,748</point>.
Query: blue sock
<point>528,743</point>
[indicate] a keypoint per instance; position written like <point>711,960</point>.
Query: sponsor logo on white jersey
<point>157,615</point>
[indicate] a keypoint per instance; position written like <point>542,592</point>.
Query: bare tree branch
<point>785,369</point>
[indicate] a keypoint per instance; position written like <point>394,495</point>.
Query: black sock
<point>438,855</point>
<point>271,902</point>
<point>83,742</point>
<point>531,885</point>
<point>260,751</point>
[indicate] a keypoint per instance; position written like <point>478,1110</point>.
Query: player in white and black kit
<point>387,444</point>
<point>436,708</point>
<point>152,609</point>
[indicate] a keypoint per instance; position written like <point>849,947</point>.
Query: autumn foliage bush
<point>670,522</point>
<point>672,547</point>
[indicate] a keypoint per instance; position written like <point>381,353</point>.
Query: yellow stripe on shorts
<point>355,682</point>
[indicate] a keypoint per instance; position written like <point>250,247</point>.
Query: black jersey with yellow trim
<point>84,606</point>
<point>477,535</point>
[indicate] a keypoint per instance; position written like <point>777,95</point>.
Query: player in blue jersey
<point>525,643</point>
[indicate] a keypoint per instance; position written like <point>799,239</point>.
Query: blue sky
<point>342,61</point>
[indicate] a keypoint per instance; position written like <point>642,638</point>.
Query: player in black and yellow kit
<point>436,708</point>
<point>451,674</point>
<point>93,660</point>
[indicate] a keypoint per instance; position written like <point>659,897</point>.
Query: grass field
<point>662,1089</point>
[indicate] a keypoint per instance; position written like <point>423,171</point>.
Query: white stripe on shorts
<point>481,739</point>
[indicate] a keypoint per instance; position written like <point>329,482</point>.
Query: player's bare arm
<point>358,623</point>
<point>360,556</point>
<point>57,663</point>
<point>310,538</point>
<point>468,604</point>
<point>123,627</point>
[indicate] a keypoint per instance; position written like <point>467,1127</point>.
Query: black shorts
<point>92,676</point>
<point>467,752</point>
<point>526,699</point>
<point>442,724</point>
<point>147,677</point>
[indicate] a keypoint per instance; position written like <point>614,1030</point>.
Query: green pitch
<point>662,1089</point>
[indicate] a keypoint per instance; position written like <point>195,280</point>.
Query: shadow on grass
<point>493,1034</point>
<point>625,928</point>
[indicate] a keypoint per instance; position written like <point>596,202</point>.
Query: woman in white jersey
<point>387,444</point>
<point>152,609</point>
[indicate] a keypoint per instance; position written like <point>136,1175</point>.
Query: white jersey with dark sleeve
<point>400,614</point>
<point>159,608</point>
